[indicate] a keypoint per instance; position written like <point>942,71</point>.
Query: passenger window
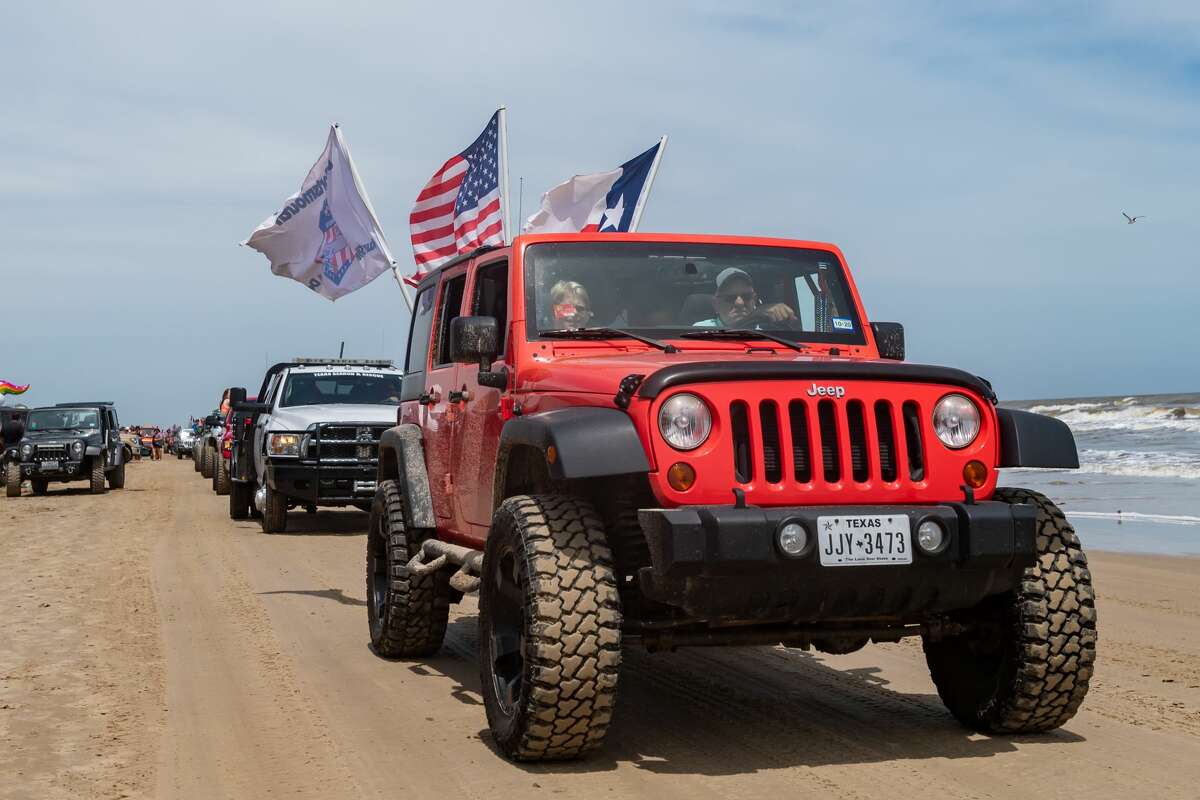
<point>491,297</point>
<point>418,334</point>
<point>452,297</point>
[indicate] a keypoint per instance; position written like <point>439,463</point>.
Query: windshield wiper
<point>741,334</point>
<point>608,333</point>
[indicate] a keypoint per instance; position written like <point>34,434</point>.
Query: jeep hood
<point>298,418</point>
<point>602,374</point>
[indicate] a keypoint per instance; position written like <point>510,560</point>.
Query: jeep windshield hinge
<point>629,384</point>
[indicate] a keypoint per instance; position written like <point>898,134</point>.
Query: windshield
<point>664,289</point>
<point>63,419</point>
<point>362,388</point>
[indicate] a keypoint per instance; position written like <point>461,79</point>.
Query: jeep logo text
<point>826,391</point>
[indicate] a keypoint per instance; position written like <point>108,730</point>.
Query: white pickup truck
<point>315,440</point>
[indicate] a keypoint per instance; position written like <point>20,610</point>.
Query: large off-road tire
<point>207,462</point>
<point>241,498</point>
<point>221,476</point>
<point>40,485</point>
<point>178,456</point>
<point>407,613</point>
<point>12,479</point>
<point>116,477</point>
<point>549,628</point>
<point>1024,663</point>
<point>195,458</point>
<point>274,514</point>
<point>97,476</point>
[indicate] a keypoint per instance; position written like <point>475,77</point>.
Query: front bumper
<point>66,470</point>
<point>323,485</point>
<point>723,563</point>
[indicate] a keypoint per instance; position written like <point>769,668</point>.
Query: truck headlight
<point>77,449</point>
<point>26,452</point>
<point>956,421</point>
<point>285,444</point>
<point>684,421</point>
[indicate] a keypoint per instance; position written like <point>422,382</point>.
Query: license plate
<point>861,540</point>
<point>49,466</point>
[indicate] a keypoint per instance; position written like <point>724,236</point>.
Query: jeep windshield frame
<point>57,419</point>
<point>666,289</point>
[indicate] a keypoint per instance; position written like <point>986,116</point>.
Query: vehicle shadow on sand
<point>323,523</point>
<point>741,710</point>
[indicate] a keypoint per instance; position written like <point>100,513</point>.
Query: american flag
<point>459,209</point>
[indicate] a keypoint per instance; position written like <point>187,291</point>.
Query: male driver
<point>736,304</point>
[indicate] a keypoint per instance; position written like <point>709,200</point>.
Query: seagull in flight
<point>1130,220</point>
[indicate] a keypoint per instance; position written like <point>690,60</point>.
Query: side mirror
<point>889,338</point>
<point>244,407</point>
<point>237,395</point>
<point>474,339</point>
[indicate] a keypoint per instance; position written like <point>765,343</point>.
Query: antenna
<point>520,202</point>
<point>342,349</point>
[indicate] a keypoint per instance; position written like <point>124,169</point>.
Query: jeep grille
<point>49,452</point>
<point>826,440</point>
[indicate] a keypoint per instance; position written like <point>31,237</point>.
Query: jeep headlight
<point>956,421</point>
<point>26,452</point>
<point>285,444</point>
<point>77,449</point>
<point>684,421</point>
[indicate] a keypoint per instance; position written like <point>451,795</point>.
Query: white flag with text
<point>326,235</point>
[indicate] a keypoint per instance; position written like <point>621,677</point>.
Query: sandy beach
<point>152,647</point>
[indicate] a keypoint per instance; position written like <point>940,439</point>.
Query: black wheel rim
<point>507,634</point>
<point>379,571</point>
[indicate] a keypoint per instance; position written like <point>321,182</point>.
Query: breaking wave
<point>1168,519</point>
<point>1124,415</point>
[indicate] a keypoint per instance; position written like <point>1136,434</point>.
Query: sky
<point>972,164</point>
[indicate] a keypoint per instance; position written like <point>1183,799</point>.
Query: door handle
<point>427,399</point>
<point>459,397</point>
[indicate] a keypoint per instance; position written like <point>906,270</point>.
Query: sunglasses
<point>747,297</point>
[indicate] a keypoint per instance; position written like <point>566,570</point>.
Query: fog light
<point>975,474</point>
<point>793,539</point>
<point>930,536</point>
<point>681,476</point>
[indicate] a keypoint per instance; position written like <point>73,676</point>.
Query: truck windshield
<point>63,419</point>
<point>360,388</point>
<point>665,289</point>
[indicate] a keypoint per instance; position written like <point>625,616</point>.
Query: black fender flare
<point>588,442</point>
<point>1035,440</point>
<point>402,452</point>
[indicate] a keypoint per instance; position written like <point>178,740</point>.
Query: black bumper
<point>323,485</point>
<point>67,471</point>
<point>723,563</point>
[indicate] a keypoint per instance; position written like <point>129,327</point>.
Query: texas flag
<point>603,201</point>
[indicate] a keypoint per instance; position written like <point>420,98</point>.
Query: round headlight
<point>77,448</point>
<point>26,451</point>
<point>956,421</point>
<point>684,421</point>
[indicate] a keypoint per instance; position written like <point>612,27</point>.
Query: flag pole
<point>641,203</point>
<point>362,192</point>
<point>502,113</point>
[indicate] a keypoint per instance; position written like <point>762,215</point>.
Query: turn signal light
<point>975,474</point>
<point>681,476</point>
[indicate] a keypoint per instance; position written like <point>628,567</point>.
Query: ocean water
<point>1137,488</point>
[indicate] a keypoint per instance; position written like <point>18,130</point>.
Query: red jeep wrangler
<point>679,441</point>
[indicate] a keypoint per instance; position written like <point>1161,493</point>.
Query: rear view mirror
<point>251,408</point>
<point>889,338</point>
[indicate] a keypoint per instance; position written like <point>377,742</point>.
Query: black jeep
<point>68,442</point>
